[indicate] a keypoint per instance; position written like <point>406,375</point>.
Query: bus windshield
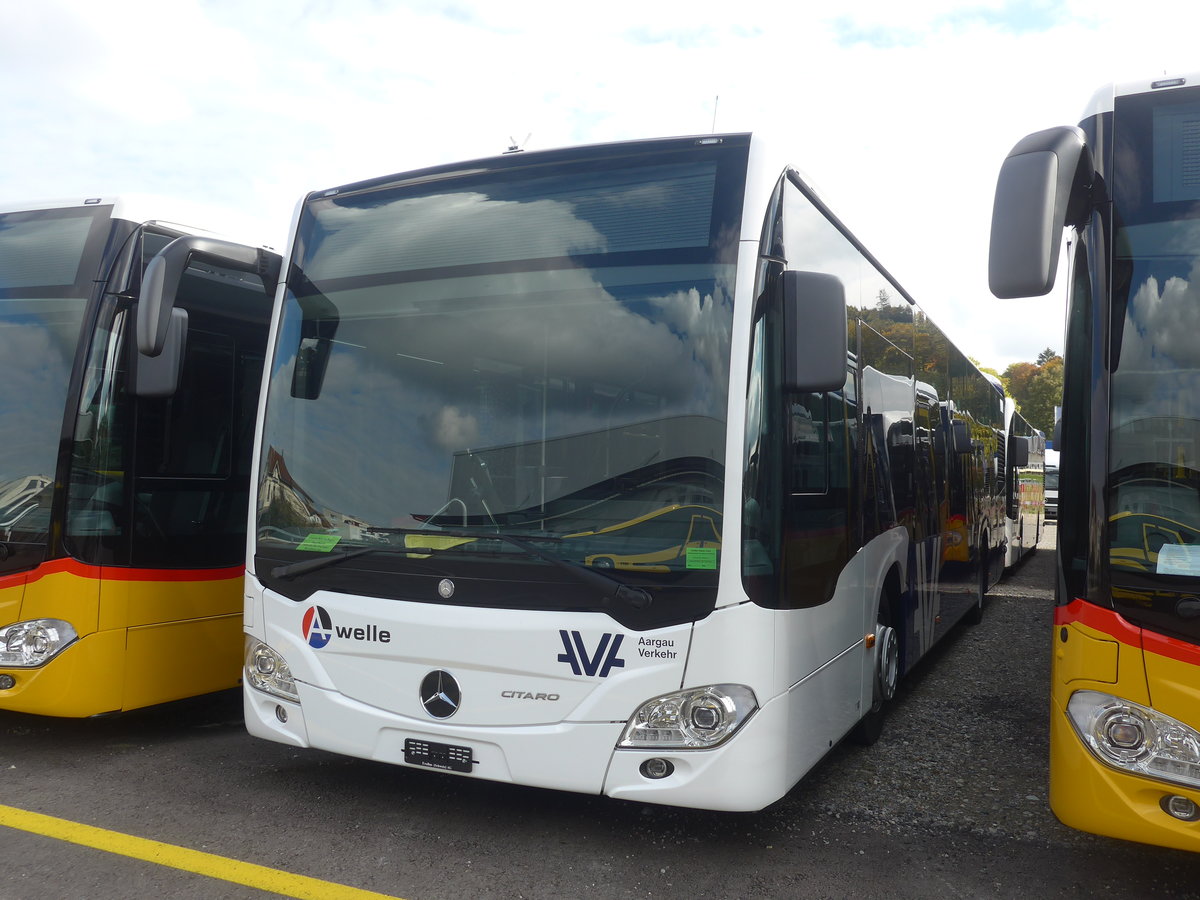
<point>536,350</point>
<point>1154,439</point>
<point>48,260</point>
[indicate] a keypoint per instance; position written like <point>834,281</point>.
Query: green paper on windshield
<point>320,543</point>
<point>701,557</point>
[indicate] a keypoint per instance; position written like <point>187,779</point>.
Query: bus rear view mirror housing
<point>1020,452</point>
<point>159,328</point>
<point>814,317</point>
<point>1041,189</point>
<point>960,437</point>
<point>158,376</point>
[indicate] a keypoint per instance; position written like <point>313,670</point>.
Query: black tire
<point>975,614</point>
<point>887,677</point>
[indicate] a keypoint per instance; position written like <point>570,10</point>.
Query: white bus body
<point>1025,485</point>
<point>572,472</point>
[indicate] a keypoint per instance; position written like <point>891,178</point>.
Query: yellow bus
<point>126,428</point>
<point>1125,726</point>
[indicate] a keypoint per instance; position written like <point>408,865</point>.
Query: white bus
<point>1025,478</point>
<point>622,469</point>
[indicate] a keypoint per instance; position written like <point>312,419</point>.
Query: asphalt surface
<point>951,802</point>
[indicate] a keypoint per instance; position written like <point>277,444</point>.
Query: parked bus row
<point>507,412</point>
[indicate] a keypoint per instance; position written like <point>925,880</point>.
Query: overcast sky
<point>900,112</point>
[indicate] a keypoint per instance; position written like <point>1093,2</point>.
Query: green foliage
<point>894,336</point>
<point>1036,388</point>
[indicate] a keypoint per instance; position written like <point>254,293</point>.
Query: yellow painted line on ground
<point>195,861</point>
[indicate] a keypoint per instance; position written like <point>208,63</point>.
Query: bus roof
<point>1102,101</point>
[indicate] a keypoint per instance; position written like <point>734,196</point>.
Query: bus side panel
<point>184,631</point>
<point>133,597</point>
<point>145,637</point>
<point>182,659</point>
<point>1101,652</point>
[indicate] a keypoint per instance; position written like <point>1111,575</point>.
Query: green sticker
<point>701,557</point>
<point>321,543</point>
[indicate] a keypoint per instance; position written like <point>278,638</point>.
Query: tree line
<point>1036,387</point>
<point>910,335</point>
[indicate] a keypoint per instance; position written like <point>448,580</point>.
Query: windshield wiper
<point>609,587</point>
<point>311,565</point>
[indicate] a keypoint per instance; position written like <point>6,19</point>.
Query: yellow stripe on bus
<point>207,864</point>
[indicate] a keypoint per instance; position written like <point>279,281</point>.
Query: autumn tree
<point>1037,388</point>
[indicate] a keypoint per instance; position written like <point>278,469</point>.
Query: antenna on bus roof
<point>514,147</point>
<point>716,100</point>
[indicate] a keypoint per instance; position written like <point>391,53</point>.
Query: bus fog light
<point>268,672</point>
<point>1136,738</point>
<point>695,719</point>
<point>1181,808</point>
<point>657,768</point>
<point>281,714</point>
<point>7,682</point>
<point>34,643</point>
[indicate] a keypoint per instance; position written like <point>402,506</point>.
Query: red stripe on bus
<point>1115,626</point>
<point>118,573</point>
<point>1172,648</point>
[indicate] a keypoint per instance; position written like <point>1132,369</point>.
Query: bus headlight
<point>1135,738</point>
<point>695,719</point>
<point>268,672</point>
<point>34,643</point>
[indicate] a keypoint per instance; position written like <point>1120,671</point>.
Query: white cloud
<point>901,112</point>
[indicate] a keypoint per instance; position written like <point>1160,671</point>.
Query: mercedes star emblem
<point>440,694</point>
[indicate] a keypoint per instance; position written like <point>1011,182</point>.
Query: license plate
<point>437,756</point>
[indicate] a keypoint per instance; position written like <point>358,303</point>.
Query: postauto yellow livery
<point>1125,718</point>
<point>126,425</point>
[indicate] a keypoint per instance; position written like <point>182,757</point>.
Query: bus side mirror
<point>158,376</point>
<point>814,322</point>
<point>1019,452</point>
<point>1042,187</point>
<point>161,332</point>
<point>160,284</point>
<point>960,437</point>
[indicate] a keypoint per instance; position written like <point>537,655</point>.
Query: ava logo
<point>317,627</point>
<point>583,663</point>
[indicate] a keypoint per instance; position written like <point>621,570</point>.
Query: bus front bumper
<point>1088,795</point>
<point>85,679</point>
<point>737,776</point>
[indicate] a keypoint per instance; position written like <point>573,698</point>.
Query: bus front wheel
<point>887,676</point>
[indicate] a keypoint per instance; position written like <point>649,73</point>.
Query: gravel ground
<point>950,803</point>
<point>975,712</point>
